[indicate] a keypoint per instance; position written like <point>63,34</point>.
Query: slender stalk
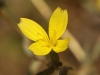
<point>55,59</point>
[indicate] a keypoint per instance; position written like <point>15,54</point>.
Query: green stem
<point>55,59</point>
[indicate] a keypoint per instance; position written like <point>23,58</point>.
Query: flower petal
<point>61,45</point>
<point>40,48</point>
<point>58,23</point>
<point>32,29</point>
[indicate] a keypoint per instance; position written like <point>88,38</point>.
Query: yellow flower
<point>44,43</point>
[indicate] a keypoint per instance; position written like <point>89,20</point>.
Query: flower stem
<point>55,59</point>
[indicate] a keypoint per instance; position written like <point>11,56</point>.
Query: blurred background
<point>83,54</point>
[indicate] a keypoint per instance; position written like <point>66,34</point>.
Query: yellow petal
<point>32,29</point>
<point>40,48</point>
<point>98,4</point>
<point>61,45</point>
<point>58,23</point>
